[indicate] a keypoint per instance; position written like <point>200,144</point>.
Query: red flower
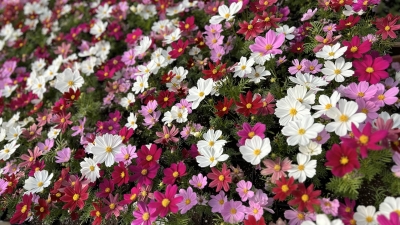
<point>125,134</point>
<point>216,72</point>
<point>337,4</point>
<point>298,47</point>
<point>387,25</point>
<point>251,220</point>
<point>223,107</point>
<point>143,176</point>
<point>268,107</point>
<point>365,139</point>
<point>348,22</point>
<point>62,120</point>
<point>61,105</point>
<point>356,49</point>
<point>96,213</point>
<point>305,198</point>
<point>129,198</point>
<point>107,73</point>
<point>120,175</point>
<point>178,48</point>
<point>75,196</point>
<point>174,172</point>
<point>268,20</point>
<point>131,38</point>
<point>343,159</point>
<point>167,202</point>
<point>42,210</point>
<point>22,210</point>
<point>166,78</point>
<point>166,99</point>
<point>72,95</point>
<point>148,157</point>
<point>188,25</point>
<point>249,105</point>
<point>284,188</point>
<point>250,30</point>
<point>370,69</point>
<point>220,179</point>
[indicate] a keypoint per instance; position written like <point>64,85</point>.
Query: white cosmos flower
<point>210,157</point>
<point>302,95</point>
<point>313,148</point>
<point>140,84</point>
<point>389,205</point>
<point>126,101</point>
<point>226,13</point>
<point>13,133</point>
<point>289,109</point>
<point>287,31</point>
<point>305,168</point>
<point>98,28</point>
<point>211,140</point>
<point>255,149</point>
<point>89,169</point>
<point>37,183</point>
<point>331,52</point>
<point>326,103</point>
<point>309,81</point>
<point>337,70</point>
<point>179,114</point>
<point>69,79</point>
<point>302,131</point>
<point>131,121</point>
<point>180,74</point>
<point>258,74</point>
<point>322,219</point>
<point>365,215</point>
<point>106,147</point>
<point>144,44</point>
<point>344,116</point>
<point>243,67</point>
<point>174,36</point>
<point>38,86</point>
<point>8,150</point>
<point>197,94</point>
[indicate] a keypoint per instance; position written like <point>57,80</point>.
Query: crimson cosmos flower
<point>371,69</point>
<point>348,22</point>
<point>96,213</point>
<point>42,209</point>
<point>387,25</point>
<point>216,72</point>
<point>148,157</point>
<point>250,30</point>
<point>249,105</point>
<point>167,202</point>
<point>365,139</point>
<point>178,48</point>
<point>284,188</point>
<point>22,210</point>
<point>356,49</point>
<point>166,99</point>
<point>188,25</point>
<point>220,179</point>
<point>143,176</point>
<point>72,95</point>
<point>125,134</point>
<point>305,198</point>
<point>251,220</point>
<point>120,174</point>
<point>343,159</point>
<point>223,107</point>
<point>174,172</point>
<point>75,196</point>
<point>107,73</point>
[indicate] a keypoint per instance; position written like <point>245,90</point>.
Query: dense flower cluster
<point>157,111</point>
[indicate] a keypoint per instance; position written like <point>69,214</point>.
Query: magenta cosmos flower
<point>167,202</point>
<point>370,69</point>
<point>356,49</point>
<point>268,45</point>
<point>365,139</point>
<point>143,215</point>
<point>277,168</point>
<point>249,132</point>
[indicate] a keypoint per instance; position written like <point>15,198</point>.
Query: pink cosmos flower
<point>322,137</point>
<point>329,207</point>
<point>79,129</point>
<point>277,168</point>
<point>369,108</point>
<point>296,217</point>
<point>144,215</point>
<point>111,206</point>
<point>217,202</point>
<point>249,132</point>
<point>233,211</point>
<point>149,108</point>
<point>268,45</point>
<point>63,155</point>
<point>167,135</point>
<point>365,139</point>
<point>361,90</point>
<point>255,210</point>
<point>356,49</point>
<point>392,135</point>
<point>370,69</point>
<point>167,202</point>
<point>297,66</point>
<point>46,146</point>
<point>346,209</point>
<point>31,158</point>
<point>308,15</point>
<point>261,198</point>
<point>217,53</point>
<point>3,186</point>
<point>363,5</point>
<point>383,97</point>
<point>244,190</point>
<point>213,29</point>
<point>129,57</point>
<point>396,160</point>
<point>189,200</point>
<point>328,40</point>
<point>214,40</point>
<point>198,181</point>
<point>126,155</point>
<point>312,67</point>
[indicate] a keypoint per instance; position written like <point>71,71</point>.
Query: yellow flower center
<point>285,188</point>
<point>201,94</point>
<point>112,206</point>
<point>224,109</point>
<point>70,83</point>
<point>381,97</point>
<point>98,214</point>
<point>369,219</point>
<point>268,47</point>
<point>24,208</point>
<point>221,202</point>
<point>277,168</point>
<point>292,111</point>
<point>40,184</point>
<point>331,54</point>
<point>387,28</point>
<point>212,159</point>
<point>364,139</point>
<point>304,198</point>
<point>133,197</point>
<point>126,156</point>
<point>187,202</point>
<point>211,143</point>
<point>75,197</point>
<point>328,106</point>
<point>249,105</point>
<point>108,149</point>
<point>300,167</point>
<point>257,152</point>
<point>144,172</point>
<point>302,131</point>
<point>343,118</point>
<point>175,174</point>
<point>255,211</point>
<point>107,190</point>
<point>353,49</point>
<point>251,134</point>
<point>249,27</point>
<point>166,136</point>
<point>300,216</point>
<point>344,160</point>
<point>227,15</point>
<point>41,209</point>
<point>149,158</point>
<point>122,174</point>
<point>165,202</point>
<point>233,211</point>
<point>221,178</point>
<point>369,70</point>
<point>337,71</point>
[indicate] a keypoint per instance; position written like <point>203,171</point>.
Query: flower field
<point>246,112</point>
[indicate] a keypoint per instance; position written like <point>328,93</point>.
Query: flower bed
<point>199,112</point>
